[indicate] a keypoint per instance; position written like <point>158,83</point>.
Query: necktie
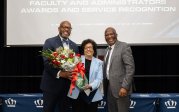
<point>106,61</point>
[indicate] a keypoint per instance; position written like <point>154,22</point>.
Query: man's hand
<point>66,74</point>
<point>123,92</point>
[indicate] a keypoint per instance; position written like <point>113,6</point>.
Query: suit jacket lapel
<point>114,53</point>
<point>83,59</point>
<point>70,45</point>
<point>105,54</point>
<point>92,67</point>
<point>58,42</point>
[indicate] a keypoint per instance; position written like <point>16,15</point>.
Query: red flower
<point>71,55</point>
<point>78,55</point>
<point>55,54</point>
<point>55,62</point>
<point>62,56</point>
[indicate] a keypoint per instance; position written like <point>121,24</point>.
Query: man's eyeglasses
<point>66,27</point>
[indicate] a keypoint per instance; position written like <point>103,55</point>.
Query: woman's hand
<point>87,87</point>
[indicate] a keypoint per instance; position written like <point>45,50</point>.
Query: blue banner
<point>139,103</point>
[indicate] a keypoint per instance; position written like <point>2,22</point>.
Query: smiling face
<point>65,29</point>
<point>110,36</point>
<point>88,50</point>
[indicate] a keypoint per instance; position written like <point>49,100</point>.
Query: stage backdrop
<point>30,22</point>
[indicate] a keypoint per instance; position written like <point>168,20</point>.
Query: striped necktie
<point>106,60</point>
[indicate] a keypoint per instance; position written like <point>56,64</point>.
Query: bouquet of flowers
<point>67,60</point>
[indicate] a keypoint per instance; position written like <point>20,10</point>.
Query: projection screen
<point>30,22</point>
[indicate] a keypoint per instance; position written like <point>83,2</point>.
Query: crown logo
<point>170,104</point>
<point>133,103</point>
<point>10,102</point>
<point>102,104</point>
<point>39,103</point>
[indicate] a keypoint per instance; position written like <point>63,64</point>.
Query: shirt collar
<point>112,46</point>
<point>63,38</point>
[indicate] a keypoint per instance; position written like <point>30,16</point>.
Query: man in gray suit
<point>118,73</point>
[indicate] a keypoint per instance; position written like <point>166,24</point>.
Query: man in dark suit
<point>55,83</point>
<point>118,73</point>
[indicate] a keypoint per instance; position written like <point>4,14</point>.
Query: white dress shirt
<point>109,60</point>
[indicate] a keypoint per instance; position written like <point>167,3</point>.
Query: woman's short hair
<point>87,41</point>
